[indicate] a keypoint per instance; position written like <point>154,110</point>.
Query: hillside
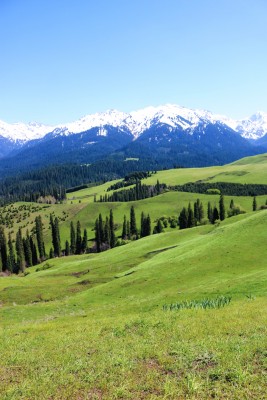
<point>93,326</point>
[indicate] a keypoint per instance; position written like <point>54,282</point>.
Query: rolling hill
<point>93,326</point>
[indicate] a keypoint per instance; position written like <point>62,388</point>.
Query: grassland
<point>93,326</point>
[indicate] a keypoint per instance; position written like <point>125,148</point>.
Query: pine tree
<point>72,239</point>
<point>133,229</point>
<point>124,229</point>
<point>67,248</point>
<point>148,226</point>
<point>97,236</point>
<point>107,233</point>
<point>85,241</point>
<point>232,204</point>
<point>190,218</point>
<point>3,250</point>
<point>112,230</point>
<point>78,238</point>
<point>35,260</point>
<point>55,236</point>
<point>158,228</point>
<point>39,237</point>
<point>128,229</point>
<point>210,212</point>
<point>20,251</point>
<point>221,208</point>
<point>216,215</point>
<point>254,204</point>
<point>142,230</point>
<point>101,228</point>
<point>11,255</point>
<point>183,219</point>
<point>27,250</point>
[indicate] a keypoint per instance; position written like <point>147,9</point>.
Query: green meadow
<point>94,326</point>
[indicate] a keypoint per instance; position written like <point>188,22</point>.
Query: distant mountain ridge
<point>167,135</point>
<point>137,122</point>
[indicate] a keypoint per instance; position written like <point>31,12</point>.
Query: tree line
<point>138,192</point>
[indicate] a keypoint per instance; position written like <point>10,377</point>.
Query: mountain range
<point>168,134</point>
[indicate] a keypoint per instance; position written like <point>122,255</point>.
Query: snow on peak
<point>23,132</point>
<point>137,122</point>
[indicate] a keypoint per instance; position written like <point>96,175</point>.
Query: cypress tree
<point>133,229</point>
<point>3,250</point>
<point>78,238</point>
<point>254,204</point>
<point>221,208</point>
<point>112,230</point>
<point>72,239</point>
<point>124,228</point>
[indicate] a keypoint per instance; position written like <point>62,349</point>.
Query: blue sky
<point>61,59</point>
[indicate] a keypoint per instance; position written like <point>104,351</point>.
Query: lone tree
<point>254,204</point>
<point>221,208</point>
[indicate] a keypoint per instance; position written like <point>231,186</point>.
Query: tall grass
<point>218,302</point>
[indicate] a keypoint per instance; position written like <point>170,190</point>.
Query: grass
<point>93,326</point>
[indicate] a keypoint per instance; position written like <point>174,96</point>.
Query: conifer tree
<point>142,230</point>
<point>107,233</point>
<point>97,236</point>
<point>78,238</point>
<point>133,229</point>
<point>11,255</point>
<point>183,219</point>
<point>20,251</point>
<point>210,212</point>
<point>67,248</point>
<point>190,218</point>
<point>254,204</point>
<point>124,229</point>
<point>39,237</point>
<point>112,230</point>
<point>27,250</point>
<point>148,226</point>
<point>101,228</point>
<point>34,252</point>
<point>221,208</point>
<point>128,229</point>
<point>158,228</point>
<point>55,236</point>
<point>72,239</point>
<point>3,250</point>
<point>232,205</point>
<point>85,241</point>
<point>216,215</point>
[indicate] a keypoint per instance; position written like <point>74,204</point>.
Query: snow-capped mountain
<point>137,122</point>
<point>20,132</point>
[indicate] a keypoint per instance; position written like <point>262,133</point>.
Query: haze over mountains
<point>170,132</point>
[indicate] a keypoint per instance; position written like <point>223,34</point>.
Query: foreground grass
<point>194,354</point>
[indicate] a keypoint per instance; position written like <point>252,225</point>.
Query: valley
<point>93,326</point>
